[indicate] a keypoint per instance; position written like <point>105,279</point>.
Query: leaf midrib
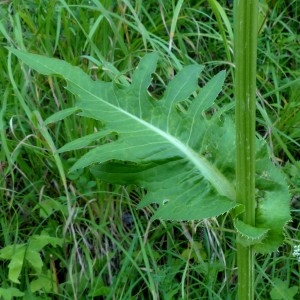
<point>208,171</point>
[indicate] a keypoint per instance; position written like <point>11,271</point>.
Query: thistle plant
<point>193,164</point>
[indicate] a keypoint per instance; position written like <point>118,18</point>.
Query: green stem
<point>245,49</point>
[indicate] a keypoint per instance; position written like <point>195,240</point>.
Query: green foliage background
<point>107,244</point>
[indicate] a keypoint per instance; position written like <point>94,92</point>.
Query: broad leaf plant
<point>174,147</point>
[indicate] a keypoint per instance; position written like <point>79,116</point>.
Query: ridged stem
<point>245,52</point>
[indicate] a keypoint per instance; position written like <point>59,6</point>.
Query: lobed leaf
<point>273,201</point>
<point>18,253</point>
<point>45,282</point>
<point>183,158</point>
<point>10,293</point>
<point>249,235</point>
<point>153,133</point>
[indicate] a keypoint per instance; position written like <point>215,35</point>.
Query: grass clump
<point>110,250</point>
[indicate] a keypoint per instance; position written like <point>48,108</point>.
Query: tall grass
<point>111,250</point>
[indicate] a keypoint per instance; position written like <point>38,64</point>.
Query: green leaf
<point>281,290</point>
<point>249,235</point>
<point>38,242</point>
<point>10,293</point>
<point>155,133</point>
<point>49,206</point>
<point>34,258</point>
<point>14,253</point>
<point>181,155</point>
<point>7,252</point>
<point>100,290</point>
<point>61,115</point>
<point>16,264</point>
<point>18,253</point>
<point>85,141</point>
<point>273,201</point>
<point>272,212</point>
<point>45,282</point>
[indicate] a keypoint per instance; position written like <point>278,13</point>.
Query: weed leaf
<point>281,290</point>
<point>183,156</point>
<point>273,201</point>
<point>161,143</point>
<point>46,282</point>
<point>18,253</point>
<point>10,293</point>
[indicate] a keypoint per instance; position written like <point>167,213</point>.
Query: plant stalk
<point>245,51</point>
